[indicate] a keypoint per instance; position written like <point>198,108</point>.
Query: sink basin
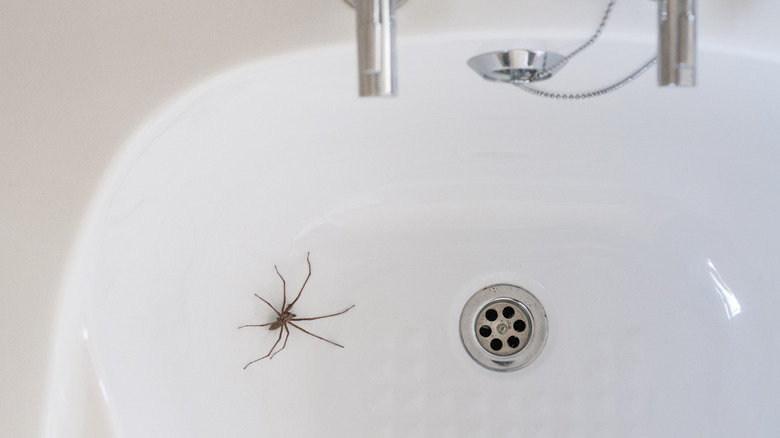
<point>644,221</point>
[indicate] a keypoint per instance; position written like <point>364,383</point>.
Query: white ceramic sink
<point>646,223</point>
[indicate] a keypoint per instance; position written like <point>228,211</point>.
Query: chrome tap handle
<point>376,47</point>
<point>677,43</point>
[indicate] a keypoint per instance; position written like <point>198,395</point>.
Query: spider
<point>286,317</point>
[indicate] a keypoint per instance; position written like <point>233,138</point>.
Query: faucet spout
<point>677,43</point>
<point>376,47</point>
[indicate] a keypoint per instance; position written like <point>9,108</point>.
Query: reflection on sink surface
<point>652,244</point>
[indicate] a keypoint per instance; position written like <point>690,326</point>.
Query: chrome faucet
<point>376,46</point>
<point>677,43</point>
<point>676,56</point>
<point>377,59</point>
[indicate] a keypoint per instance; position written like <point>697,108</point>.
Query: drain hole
<point>503,327</point>
<point>508,312</point>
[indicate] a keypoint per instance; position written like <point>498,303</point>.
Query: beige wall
<point>78,77</point>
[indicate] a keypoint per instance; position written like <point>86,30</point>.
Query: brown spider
<point>286,317</point>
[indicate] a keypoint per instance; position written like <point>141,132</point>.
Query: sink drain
<point>503,327</point>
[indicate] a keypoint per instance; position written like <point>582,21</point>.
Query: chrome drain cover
<point>503,327</point>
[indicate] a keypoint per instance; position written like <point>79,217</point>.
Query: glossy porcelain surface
<point>652,244</point>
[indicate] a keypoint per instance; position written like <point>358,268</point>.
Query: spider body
<point>285,318</point>
<point>282,320</point>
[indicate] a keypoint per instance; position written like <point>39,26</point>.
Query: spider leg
<point>304,284</point>
<point>269,304</point>
<point>320,317</point>
<point>284,289</point>
<point>269,353</point>
<point>284,344</point>
<point>318,337</point>
<point>256,325</point>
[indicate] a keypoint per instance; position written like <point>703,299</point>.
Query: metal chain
<point>589,94</point>
<point>546,73</point>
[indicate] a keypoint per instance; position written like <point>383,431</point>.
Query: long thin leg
<point>256,325</point>
<point>269,305</point>
<point>318,337</point>
<point>320,317</point>
<point>304,285</point>
<point>284,289</point>
<point>284,344</point>
<point>269,353</point>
